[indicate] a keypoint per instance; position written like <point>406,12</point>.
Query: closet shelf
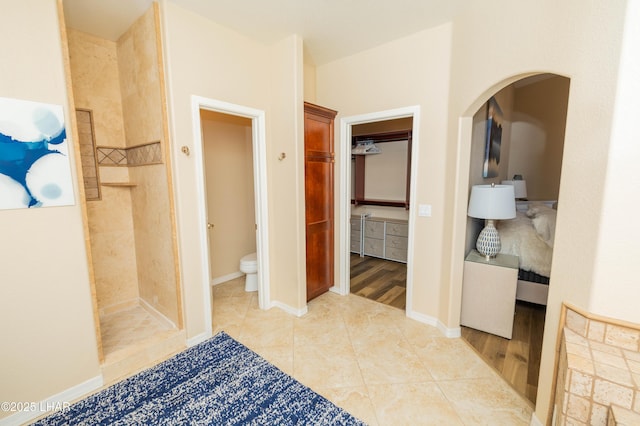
<point>119,184</point>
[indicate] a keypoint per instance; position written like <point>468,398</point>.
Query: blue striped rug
<point>218,382</point>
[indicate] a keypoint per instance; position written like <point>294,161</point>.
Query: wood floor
<point>517,360</point>
<point>381,280</point>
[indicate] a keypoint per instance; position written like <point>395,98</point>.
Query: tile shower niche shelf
<point>119,184</point>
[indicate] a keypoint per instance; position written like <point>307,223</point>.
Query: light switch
<point>424,210</point>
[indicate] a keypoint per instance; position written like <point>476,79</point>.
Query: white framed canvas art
<point>35,169</point>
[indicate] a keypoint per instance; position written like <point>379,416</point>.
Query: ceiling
<point>331,29</point>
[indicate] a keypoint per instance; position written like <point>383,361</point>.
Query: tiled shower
<point>117,90</point>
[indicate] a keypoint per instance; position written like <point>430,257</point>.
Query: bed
<point>530,237</point>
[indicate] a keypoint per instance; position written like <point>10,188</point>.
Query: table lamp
<point>519,187</point>
<point>491,202</point>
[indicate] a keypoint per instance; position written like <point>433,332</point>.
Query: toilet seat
<point>249,263</point>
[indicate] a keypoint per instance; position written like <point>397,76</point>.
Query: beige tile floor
<point>371,360</point>
<point>128,327</point>
<point>133,339</point>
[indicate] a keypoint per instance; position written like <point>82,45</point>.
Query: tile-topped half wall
<point>598,367</point>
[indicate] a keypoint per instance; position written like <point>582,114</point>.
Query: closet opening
<point>377,187</point>
<point>380,188</point>
<point>504,299</point>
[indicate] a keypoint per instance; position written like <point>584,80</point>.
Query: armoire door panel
<point>319,196</point>
<point>319,258</point>
<point>318,184</point>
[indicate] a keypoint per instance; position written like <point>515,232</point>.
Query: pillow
<point>543,219</point>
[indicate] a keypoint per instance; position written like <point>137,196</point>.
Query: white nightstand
<point>489,293</point>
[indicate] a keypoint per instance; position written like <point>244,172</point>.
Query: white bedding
<point>519,237</point>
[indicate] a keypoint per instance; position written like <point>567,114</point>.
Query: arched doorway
<point>534,111</point>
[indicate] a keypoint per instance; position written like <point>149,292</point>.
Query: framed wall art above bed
<point>493,139</point>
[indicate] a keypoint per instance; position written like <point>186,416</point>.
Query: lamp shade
<point>492,202</point>
<point>519,187</point>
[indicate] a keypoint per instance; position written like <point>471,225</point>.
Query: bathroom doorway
<point>209,115</point>
<point>228,169</point>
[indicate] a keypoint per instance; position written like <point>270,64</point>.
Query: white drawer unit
<point>374,228</point>
<point>374,247</point>
<point>356,235</point>
<point>380,237</point>
<point>393,241</point>
<point>401,229</point>
<point>489,293</point>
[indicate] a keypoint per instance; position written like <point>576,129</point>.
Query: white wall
<point>285,134</point>
<point>365,83</point>
<point>616,289</point>
<point>46,318</point>
<point>204,59</point>
<point>539,119</point>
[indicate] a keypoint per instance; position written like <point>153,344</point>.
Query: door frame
<point>343,286</point>
<point>260,193</point>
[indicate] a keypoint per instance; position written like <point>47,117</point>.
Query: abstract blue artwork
<point>34,156</point>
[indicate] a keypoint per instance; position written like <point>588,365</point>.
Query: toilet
<point>249,265</point>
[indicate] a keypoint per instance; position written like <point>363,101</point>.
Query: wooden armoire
<point>319,161</point>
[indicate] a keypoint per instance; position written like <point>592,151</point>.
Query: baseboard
<point>156,313</point>
<point>434,322</point>
<point>534,420</point>
<point>55,402</point>
<point>225,278</point>
<point>336,289</point>
<point>289,309</point>
<point>198,338</point>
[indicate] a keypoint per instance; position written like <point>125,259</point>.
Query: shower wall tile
<point>144,154</point>
<point>156,264</point>
<point>143,114</point>
<point>113,214</point>
<point>140,79</point>
<point>88,155</point>
<point>113,247</point>
<point>96,87</point>
<point>130,228</point>
<point>114,277</point>
<point>141,155</point>
<point>111,156</point>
